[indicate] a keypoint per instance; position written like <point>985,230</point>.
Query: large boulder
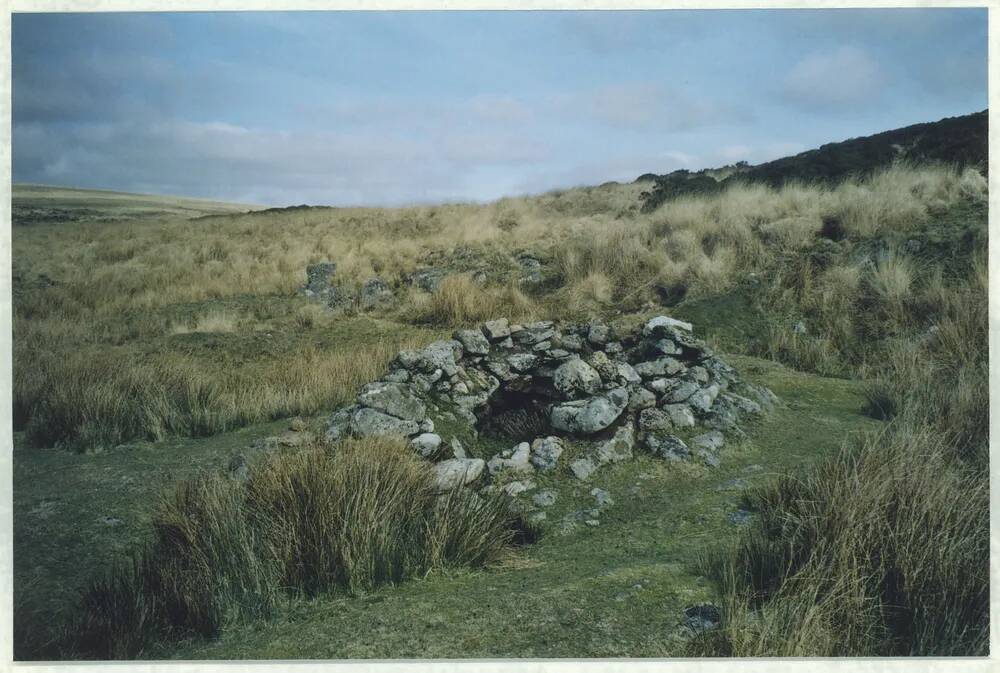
<point>395,399</point>
<point>367,422</point>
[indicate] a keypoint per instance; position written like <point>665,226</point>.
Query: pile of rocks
<point>657,387</point>
<point>322,285</point>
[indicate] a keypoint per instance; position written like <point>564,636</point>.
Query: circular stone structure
<point>657,387</point>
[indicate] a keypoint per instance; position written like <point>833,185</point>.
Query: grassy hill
<point>149,357</point>
<point>37,204</point>
<point>960,141</point>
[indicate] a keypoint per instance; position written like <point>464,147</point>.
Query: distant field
<point>41,203</point>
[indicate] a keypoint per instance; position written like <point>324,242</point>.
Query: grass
<point>126,303</point>
<point>883,549</point>
<point>133,336</point>
<point>575,589</point>
<point>302,524</point>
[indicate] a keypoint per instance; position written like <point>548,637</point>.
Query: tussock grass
<point>117,284</point>
<point>302,524</point>
<point>884,550</point>
<point>101,400</point>
<point>459,300</point>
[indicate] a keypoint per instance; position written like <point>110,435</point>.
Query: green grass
<point>576,590</point>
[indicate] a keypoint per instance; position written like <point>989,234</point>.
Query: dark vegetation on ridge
<point>962,141</point>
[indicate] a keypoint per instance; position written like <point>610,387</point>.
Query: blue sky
<point>386,108</point>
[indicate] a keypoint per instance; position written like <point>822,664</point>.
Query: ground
<point>618,589</point>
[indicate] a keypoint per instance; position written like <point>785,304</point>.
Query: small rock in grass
<point>545,498</point>
<point>702,617</point>
<point>602,497</point>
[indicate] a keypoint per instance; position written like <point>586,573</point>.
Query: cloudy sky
<point>389,108</point>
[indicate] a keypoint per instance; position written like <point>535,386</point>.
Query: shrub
<point>302,524</point>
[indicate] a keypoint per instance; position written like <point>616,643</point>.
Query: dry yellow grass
<point>129,285</point>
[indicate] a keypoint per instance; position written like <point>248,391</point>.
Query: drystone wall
<point>657,388</point>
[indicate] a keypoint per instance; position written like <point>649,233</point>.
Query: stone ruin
<point>658,388</point>
<point>324,286</point>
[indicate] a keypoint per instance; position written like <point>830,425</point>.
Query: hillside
<point>170,378</point>
<point>37,204</point>
<point>961,141</point>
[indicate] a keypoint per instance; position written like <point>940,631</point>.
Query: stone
<point>702,617</point>
<point>582,468</point>
<point>603,365</point>
<point>428,280</point>
<point>639,398</point>
<point>598,334</point>
<point>545,498</point>
<point>585,417</point>
<point>570,342</point>
<point>457,472</point>
<point>743,404</point>
<point>667,347</point>
<point>655,420</point>
<point>660,386</point>
<point>602,497</point>
<point>319,277</point>
<point>662,324</point>
<point>441,355</point>
<point>680,415</point>
<point>664,366</point>
<point>408,359</point>
<point>576,377</point>
<point>394,399</point>
<point>473,341</point>
<point>668,447</point>
<point>516,488</point>
<point>457,450</point>
<point>367,422</point>
<point>618,448</point>
<point>374,291</point>
<point>681,391</point>
<point>545,452</point>
<point>703,399</point>
<point>516,460</point>
<point>710,441</point>
<point>339,424</point>
<point>522,362</point>
<point>613,347</point>
<point>426,444</point>
<point>628,373</point>
<point>699,374</point>
<point>397,376</point>
<point>495,330</point>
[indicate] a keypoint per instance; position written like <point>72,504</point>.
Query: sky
<point>392,108</point>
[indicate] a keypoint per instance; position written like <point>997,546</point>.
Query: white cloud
<point>845,76</point>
